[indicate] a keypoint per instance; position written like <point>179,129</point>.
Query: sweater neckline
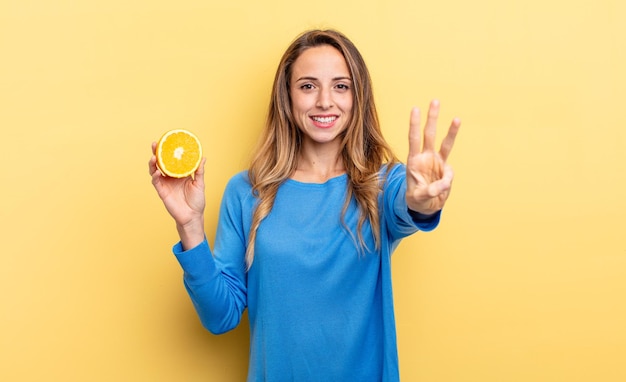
<point>336,179</point>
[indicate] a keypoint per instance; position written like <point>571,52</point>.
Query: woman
<point>305,236</point>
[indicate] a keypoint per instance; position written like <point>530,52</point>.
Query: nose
<point>324,99</point>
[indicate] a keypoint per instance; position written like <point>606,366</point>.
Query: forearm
<point>219,298</point>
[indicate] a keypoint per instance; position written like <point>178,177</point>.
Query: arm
<point>218,296</point>
<point>217,290</point>
<point>217,284</point>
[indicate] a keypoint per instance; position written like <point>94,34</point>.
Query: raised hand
<point>428,175</point>
<point>184,199</point>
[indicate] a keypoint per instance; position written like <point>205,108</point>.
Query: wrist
<point>416,215</point>
<point>420,209</point>
<point>191,233</point>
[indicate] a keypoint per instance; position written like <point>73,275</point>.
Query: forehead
<point>320,62</point>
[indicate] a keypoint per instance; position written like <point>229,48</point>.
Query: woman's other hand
<point>428,175</point>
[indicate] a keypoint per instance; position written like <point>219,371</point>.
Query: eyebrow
<point>309,78</point>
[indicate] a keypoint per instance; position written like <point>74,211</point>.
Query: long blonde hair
<point>363,148</point>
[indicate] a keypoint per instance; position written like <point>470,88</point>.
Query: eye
<point>306,86</point>
<point>343,87</point>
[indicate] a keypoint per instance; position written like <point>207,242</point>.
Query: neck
<point>317,165</point>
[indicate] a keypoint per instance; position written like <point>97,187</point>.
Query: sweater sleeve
<point>216,281</point>
<point>400,221</point>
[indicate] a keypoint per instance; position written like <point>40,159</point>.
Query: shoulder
<point>239,181</point>
<point>238,187</point>
<point>238,195</point>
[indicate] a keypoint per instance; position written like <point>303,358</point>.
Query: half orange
<point>178,153</point>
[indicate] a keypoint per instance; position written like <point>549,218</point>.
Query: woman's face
<point>321,95</point>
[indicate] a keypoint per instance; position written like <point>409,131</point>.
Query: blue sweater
<point>319,309</point>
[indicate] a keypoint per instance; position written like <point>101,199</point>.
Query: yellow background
<point>525,279</point>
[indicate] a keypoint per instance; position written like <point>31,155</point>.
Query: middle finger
<point>430,130</point>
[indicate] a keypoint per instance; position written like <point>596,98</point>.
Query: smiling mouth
<point>325,120</point>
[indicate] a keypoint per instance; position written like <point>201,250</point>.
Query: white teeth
<point>324,119</point>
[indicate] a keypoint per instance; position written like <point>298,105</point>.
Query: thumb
<point>442,185</point>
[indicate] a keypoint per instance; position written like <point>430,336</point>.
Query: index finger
<point>415,137</point>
